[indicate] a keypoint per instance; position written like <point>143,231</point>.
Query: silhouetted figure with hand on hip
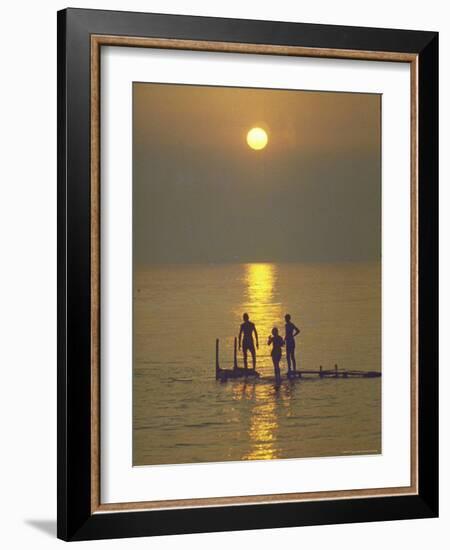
<point>291,333</point>
<point>277,343</point>
<point>246,339</point>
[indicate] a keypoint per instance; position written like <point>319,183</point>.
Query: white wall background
<point>28,271</point>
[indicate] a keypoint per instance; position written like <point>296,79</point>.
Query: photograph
<point>257,263</point>
<point>247,260</point>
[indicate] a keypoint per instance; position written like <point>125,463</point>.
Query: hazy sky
<point>202,195</point>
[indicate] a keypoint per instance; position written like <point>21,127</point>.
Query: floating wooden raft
<point>333,373</point>
<point>236,372</point>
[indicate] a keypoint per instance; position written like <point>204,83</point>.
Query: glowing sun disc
<point>257,138</point>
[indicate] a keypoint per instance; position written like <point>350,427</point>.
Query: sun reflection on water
<point>262,304</point>
<point>263,424</point>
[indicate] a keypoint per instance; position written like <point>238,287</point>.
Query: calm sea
<point>182,415</point>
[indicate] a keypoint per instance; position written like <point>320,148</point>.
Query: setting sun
<point>257,138</point>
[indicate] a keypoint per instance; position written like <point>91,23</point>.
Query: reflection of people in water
<point>277,344</point>
<point>246,337</point>
<point>291,333</point>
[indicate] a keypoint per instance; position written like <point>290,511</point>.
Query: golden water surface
<point>181,414</point>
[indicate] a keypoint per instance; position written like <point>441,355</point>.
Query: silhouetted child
<point>277,343</point>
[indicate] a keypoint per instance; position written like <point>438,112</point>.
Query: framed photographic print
<point>247,252</point>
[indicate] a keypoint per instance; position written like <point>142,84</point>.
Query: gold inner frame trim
<point>97,41</point>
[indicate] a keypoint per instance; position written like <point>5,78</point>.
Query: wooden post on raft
<point>235,363</point>
<point>217,359</point>
<point>335,371</point>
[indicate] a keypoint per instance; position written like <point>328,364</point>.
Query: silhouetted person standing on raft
<point>247,329</point>
<point>277,343</point>
<point>291,333</point>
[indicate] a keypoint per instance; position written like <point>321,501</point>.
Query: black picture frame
<point>75,518</point>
